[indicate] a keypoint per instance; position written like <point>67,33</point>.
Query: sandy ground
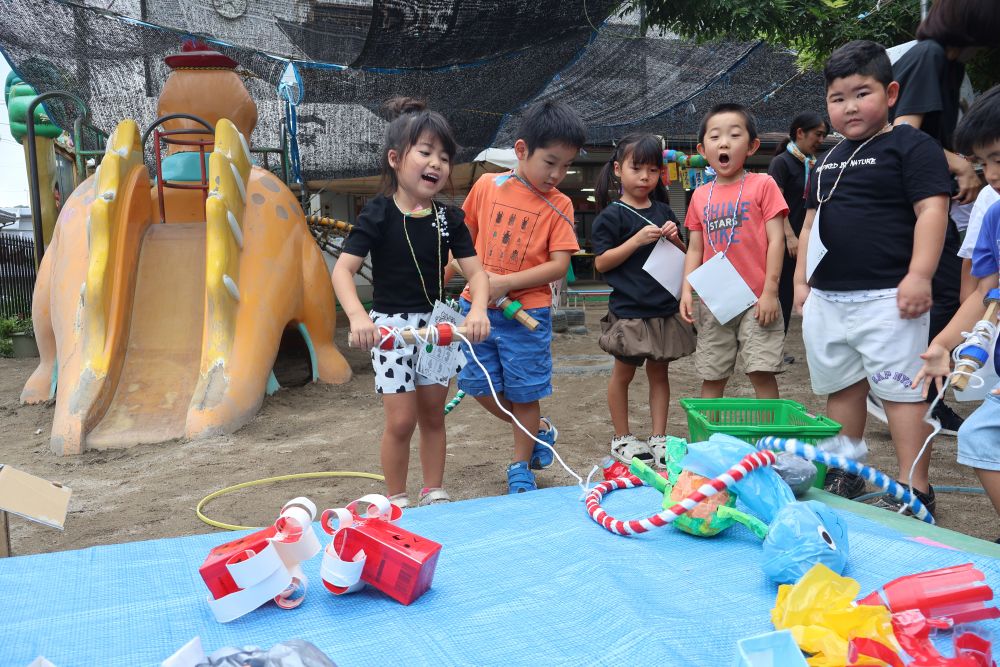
<point>150,491</point>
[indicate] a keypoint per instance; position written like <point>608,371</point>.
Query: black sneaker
<point>843,483</point>
<point>894,505</point>
<point>950,422</point>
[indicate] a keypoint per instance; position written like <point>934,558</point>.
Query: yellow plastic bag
<point>819,611</point>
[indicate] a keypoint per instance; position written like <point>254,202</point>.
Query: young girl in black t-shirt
<point>642,324</point>
<point>409,237</point>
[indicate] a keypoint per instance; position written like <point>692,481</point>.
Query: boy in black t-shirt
<point>869,246</point>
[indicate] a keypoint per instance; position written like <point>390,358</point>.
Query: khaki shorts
<point>633,340</point>
<point>759,349</point>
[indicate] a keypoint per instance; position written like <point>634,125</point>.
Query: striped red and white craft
<point>748,464</point>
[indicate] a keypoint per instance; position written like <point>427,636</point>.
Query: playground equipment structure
<point>160,305</point>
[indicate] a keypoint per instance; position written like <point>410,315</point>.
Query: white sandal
<point>435,496</point>
<point>625,447</point>
<point>400,500</point>
<point>658,448</point>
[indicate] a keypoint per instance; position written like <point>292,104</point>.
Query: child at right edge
<point>979,436</point>
<point>524,234</point>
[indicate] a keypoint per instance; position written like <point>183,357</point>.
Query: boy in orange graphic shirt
<point>523,231</point>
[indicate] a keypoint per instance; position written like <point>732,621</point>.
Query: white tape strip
<point>345,575</point>
<point>262,577</point>
<point>274,573</point>
<point>342,574</point>
<point>295,594</point>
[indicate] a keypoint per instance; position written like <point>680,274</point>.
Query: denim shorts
<point>518,360</point>
<point>979,436</point>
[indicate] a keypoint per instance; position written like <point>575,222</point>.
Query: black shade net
<point>479,63</point>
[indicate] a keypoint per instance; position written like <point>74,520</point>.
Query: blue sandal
<point>519,478</point>
<point>542,456</point>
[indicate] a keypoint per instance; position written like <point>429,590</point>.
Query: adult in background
<point>930,77</point>
<point>792,165</point>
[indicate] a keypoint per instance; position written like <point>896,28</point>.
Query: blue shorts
<point>979,436</point>
<point>518,360</point>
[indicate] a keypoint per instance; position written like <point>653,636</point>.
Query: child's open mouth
<point>723,159</point>
<point>431,178</point>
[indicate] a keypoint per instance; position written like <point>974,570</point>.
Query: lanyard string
<point>736,213</point>
<point>544,199</point>
<point>648,221</point>
<point>438,222</point>
<point>819,172</point>
<point>629,208</point>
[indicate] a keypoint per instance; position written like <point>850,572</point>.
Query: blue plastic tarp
<point>521,580</point>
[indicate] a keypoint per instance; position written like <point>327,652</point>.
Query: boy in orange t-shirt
<point>523,231</point>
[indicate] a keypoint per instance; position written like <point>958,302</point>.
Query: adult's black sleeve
<point>920,72</point>
<point>459,238</point>
<point>366,232</point>
<point>925,169</point>
<point>778,170</point>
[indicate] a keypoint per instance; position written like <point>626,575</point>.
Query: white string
<point>736,214</point>
<point>982,336</point>
<point>396,335</point>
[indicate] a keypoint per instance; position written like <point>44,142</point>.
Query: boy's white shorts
<point>849,341</point>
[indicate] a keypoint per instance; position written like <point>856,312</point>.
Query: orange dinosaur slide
<point>153,327</point>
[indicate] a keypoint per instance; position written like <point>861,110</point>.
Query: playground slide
<point>152,330</point>
<point>160,368</point>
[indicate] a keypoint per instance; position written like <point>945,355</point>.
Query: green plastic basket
<point>750,419</point>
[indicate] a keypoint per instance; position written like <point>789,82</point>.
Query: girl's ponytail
<point>605,181</point>
<point>399,105</point>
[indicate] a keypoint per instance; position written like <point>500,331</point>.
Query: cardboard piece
<point>32,498</point>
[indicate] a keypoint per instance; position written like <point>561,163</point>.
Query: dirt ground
<point>150,491</point>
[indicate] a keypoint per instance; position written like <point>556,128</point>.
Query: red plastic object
<point>913,631</point>
<point>613,469</point>
<point>865,647</point>
<point>958,593</point>
<point>399,563</point>
<point>972,646</point>
<point>444,334</point>
<point>214,571</point>
<point>388,343</point>
<point>195,53</point>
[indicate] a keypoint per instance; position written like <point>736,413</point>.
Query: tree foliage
<point>812,28</point>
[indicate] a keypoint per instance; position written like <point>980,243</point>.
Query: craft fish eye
<point>826,537</point>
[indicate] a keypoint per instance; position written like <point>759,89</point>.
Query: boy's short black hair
<point>547,123</point>
<point>862,57</point>
<point>980,126</point>
<point>728,107</point>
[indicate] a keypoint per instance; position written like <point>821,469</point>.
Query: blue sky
<point>13,177</point>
